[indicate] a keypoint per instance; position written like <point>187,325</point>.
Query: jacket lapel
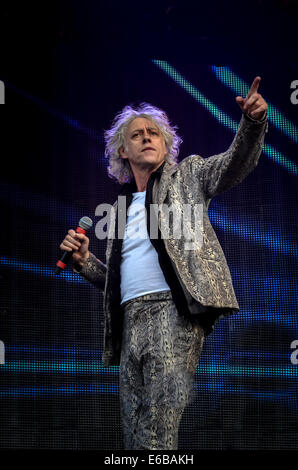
<point>160,188</point>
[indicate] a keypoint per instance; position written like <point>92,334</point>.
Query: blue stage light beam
<point>252,231</point>
<point>222,117</point>
<point>41,270</point>
<point>273,285</point>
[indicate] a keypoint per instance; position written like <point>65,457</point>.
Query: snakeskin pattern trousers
<point>160,352</point>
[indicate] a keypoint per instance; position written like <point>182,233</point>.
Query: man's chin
<point>150,163</point>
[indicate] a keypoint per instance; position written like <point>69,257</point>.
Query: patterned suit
<point>202,272</point>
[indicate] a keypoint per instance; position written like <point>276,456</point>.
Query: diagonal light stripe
<point>239,86</point>
<point>14,195</point>
<point>70,215</point>
<point>273,285</point>
<point>70,121</point>
<point>222,117</point>
<point>39,270</point>
<point>245,318</point>
<point>253,232</point>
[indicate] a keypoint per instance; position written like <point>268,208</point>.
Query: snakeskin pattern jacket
<point>202,271</point>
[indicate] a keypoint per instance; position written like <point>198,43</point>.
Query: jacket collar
<point>168,170</point>
<point>162,178</point>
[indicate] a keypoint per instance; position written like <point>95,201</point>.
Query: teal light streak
<point>248,371</point>
<point>222,117</point>
<point>80,367</point>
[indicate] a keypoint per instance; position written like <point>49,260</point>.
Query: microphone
<point>85,224</point>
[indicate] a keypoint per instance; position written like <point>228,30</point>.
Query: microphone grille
<point>85,223</point>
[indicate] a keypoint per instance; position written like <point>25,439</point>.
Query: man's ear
<point>122,152</point>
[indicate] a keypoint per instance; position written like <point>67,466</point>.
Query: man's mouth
<point>147,148</point>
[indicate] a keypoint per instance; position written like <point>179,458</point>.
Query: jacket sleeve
<point>93,271</point>
<point>221,172</point>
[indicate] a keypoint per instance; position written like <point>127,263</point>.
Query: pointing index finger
<point>254,86</point>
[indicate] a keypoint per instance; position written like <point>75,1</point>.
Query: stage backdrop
<point>54,391</point>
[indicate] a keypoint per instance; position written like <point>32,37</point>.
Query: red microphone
<point>85,224</point>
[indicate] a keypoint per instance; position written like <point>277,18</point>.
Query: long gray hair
<point>119,168</point>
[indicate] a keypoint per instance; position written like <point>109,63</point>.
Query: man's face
<point>144,145</point>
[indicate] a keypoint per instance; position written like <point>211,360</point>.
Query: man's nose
<point>146,137</point>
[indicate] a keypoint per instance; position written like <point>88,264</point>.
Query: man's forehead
<point>140,123</point>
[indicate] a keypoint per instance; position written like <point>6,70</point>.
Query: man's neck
<point>142,177</point>
<point>141,181</point>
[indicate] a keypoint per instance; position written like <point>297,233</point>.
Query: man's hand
<point>253,104</point>
<point>79,243</point>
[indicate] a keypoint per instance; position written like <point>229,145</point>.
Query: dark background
<point>68,68</point>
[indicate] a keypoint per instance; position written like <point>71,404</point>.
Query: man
<point>162,297</point>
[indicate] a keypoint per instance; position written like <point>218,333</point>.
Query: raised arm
<point>221,172</point>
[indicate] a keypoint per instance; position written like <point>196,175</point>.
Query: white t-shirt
<point>140,270</point>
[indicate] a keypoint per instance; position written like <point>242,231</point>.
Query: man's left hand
<point>253,104</point>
